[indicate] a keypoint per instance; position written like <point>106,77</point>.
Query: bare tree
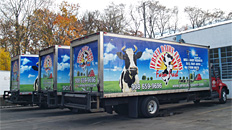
<point>199,17</point>
<point>229,16</point>
<point>114,18</point>
<point>164,15</point>
<point>136,19</point>
<point>17,12</point>
<point>193,14</point>
<point>91,22</point>
<point>173,22</point>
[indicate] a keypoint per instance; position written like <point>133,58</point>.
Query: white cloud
<point>24,68</point>
<point>147,54</point>
<point>109,47</point>
<point>96,63</point>
<point>109,57</point>
<point>116,68</point>
<point>65,58</point>
<point>205,71</point>
<point>30,75</point>
<point>63,66</point>
<point>25,61</point>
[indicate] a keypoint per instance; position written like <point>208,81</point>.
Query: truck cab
<point>219,89</point>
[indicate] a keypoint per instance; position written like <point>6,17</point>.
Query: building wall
<point>218,37</point>
<point>4,81</point>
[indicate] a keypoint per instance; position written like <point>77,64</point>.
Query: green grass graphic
<point>113,86</point>
<point>26,87</point>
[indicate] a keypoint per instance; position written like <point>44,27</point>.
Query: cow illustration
<point>168,70</point>
<point>129,74</point>
<point>85,60</point>
<point>35,67</point>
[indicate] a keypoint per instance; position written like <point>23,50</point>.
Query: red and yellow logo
<point>166,59</point>
<point>85,56</point>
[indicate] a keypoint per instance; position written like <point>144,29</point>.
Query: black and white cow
<point>129,74</point>
<point>36,80</point>
<point>167,72</point>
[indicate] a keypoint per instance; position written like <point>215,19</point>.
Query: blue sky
<point>113,65</point>
<point>27,73</point>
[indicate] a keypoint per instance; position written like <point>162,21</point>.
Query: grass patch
<point>26,87</point>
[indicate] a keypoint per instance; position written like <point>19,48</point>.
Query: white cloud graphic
<point>109,57</point>
<point>24,68</point>
<point>65,58</point>
<point>147,54</point>
<point>116,68</point>
<point>109,47</point>
<point>25,61</point>
<point>205,71</point>
<point>63,66</point>
<point>30,75</point>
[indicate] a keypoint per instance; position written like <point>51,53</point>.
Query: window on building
<point>226,62</point>
<point>222,57</point>
<point>214,58</point>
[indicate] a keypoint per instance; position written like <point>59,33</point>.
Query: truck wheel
<point>223,98</point>
<point>150,106</point>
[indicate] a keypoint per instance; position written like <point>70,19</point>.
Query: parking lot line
<point>213,110</point>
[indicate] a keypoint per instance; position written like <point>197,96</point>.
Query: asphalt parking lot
<point>208,115</point>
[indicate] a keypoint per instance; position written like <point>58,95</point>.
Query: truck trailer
<point>54,76</point>
<point>23,79</point>
<point>134,75</point>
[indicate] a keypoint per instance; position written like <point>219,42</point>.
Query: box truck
<point>23,79</point>
<point>134,75</point>
<point>54,76</point>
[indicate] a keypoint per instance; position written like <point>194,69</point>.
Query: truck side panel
<point>85,67</point>
<point>132,65</point>
<point>28,74</point>
<point>46,67</point>
<point>14,75</point>
<point>63,70</point>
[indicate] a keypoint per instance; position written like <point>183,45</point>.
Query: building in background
<point>4,81</point>
<point>219,38</point>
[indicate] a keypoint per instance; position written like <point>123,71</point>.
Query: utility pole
<point>144,19</point>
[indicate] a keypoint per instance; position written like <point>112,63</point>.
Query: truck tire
<point>223,98</point>
<point>150,106</point>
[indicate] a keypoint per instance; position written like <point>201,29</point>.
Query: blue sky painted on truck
<point>27,73</point>
<point>113,66</point>
<point>63,66</point>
